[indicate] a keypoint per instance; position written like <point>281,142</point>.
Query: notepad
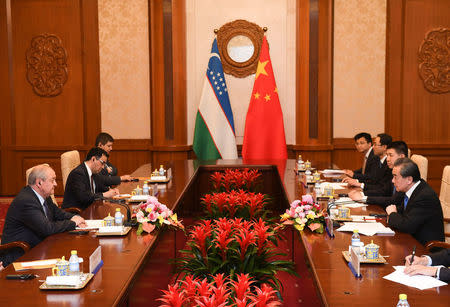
<point>333,171</point>
<point>38,264</point>
<point>368,229</point>
<point>421,282</point>
<point>91,224</point>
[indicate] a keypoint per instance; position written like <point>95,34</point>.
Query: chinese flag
<point>264,137</point>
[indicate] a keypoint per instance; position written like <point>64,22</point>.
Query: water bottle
<point>74,263</point>
<point>402,302</point>
<point>317,190</point>
<point>161,170</point>
<point>145,188</point>
<point>118,219</point>
<point>355,238</point>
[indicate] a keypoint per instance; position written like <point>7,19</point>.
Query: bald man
<point>33,216</point>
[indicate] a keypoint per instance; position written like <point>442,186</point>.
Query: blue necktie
<point>44,206</point>
<point>405,202</point>
<point>393,191</point>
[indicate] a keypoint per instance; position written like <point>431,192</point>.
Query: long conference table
<point>124,257</point>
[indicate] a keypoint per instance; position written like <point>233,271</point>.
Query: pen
<point>413,253</point>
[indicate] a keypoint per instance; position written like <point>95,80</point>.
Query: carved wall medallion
<point>434,61</point>
<point>239,45</point>
<point>46,65</point>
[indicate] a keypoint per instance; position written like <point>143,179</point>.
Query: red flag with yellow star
<point>264,129</point>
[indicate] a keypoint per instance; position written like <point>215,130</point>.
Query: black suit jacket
<point>422,217</point>
<point>78,187</point>
<point>371,171</point>
<point>104,172</point>
<point>26,221</point>
<point>442,258</point>
<point>383,185</point>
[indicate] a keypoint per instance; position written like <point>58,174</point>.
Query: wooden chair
<point>434,245</point>
<point>9,247</point>
<point>422,163</point>
<point>444,197</point>
<point>69,160</point>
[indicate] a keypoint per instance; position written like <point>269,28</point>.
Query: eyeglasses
<point>103,162</point>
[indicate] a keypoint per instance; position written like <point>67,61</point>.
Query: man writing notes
<point>33,216</point>
<point>84,185</point>
<point>435,265</point>
<point>381,171</point>
<point>363,144</point>
<point>418,211</point>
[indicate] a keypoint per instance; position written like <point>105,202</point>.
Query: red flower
<point>216,178</point>
<point>198,235</point>
<point>173,297</point>
<point>204,288</point>
<point>207,201</point>
<point>190,286</point>
<point>244,237</point>
<point>265,297</point>
<point>255,202</point>
<point>262,234</point>
<point>221,200</point>
<point>222,240</point>
<point>242,286</point>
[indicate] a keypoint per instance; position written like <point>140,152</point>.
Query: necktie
<point>405,202</point>
<point>364,165</point>
<point>44,206</point>
<point>394,190</point>
<point>92,185</point>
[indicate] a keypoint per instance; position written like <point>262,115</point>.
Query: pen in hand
<point>413,254</point>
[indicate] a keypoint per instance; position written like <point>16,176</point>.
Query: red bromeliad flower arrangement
<point>235,179</point>
<point>232,204</point>
<point>218,292</point>
<point>233,246</point>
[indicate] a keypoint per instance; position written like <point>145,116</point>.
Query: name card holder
<point>95,260</point>
<point>354,263</point>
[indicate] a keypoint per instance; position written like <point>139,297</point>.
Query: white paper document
<point>333,171</point>
<point>92,224</point>
<point>108,229</point>
<point>421,282</point>
<point>363,218</point>
<point>38,263</point>
<point>348,202</point>
<point>334,185</point>
<point>368,229</point>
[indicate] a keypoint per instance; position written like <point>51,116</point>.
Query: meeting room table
<point>124,257</point>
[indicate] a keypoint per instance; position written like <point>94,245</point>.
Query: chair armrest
<point>436,244</point>
<point>73,210</point>
<point>23,245</point>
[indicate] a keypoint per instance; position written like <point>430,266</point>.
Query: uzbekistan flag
<point>214,135</point>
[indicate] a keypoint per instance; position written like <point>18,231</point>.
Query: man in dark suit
<point>380,171</point>
<point>105,141</point>
<point>363,144</point>
<point>383,192</point>
<point>435,265</point>
<point>419,211</point>
<point>33,216</point>
<point>84,184</point>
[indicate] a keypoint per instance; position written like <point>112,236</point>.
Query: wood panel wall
<point>413,113</point>
<point>37,129</point>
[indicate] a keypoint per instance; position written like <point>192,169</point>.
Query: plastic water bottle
<point>74,263</point>
<point>317,190</point>
<point>145,189</point>
<point>118,218</point>
<point>355,238</point>
<point>161,170</point>
<point>402,302</point>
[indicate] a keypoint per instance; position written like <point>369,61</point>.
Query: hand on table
<point>126,178</point>
<point>352,182</point>
<point>348,172</point>
<point>355,195</point>
<point>1,266</point>
<point>79,221</point>
<point>419,269</point>
<point>111,193</point>
<point>417,260</point>
<point>390,209</point>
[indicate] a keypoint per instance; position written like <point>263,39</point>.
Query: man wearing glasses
<point>85,185</point>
